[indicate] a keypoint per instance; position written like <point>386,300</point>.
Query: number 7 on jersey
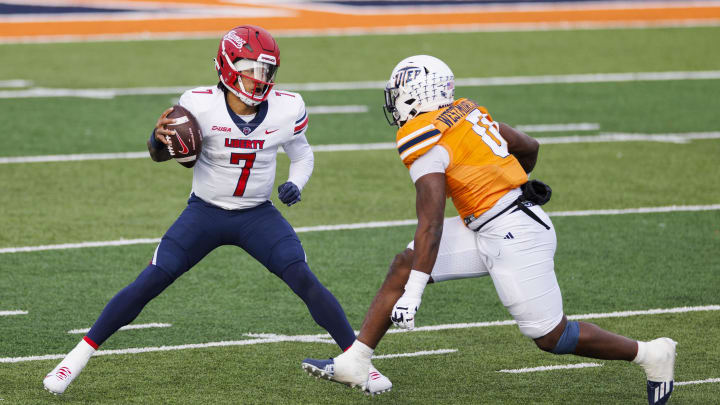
<point>249,159</point>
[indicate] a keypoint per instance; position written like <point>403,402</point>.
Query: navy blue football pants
<point>261,231</point>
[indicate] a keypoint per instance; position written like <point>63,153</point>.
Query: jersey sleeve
<point>301,120</point>
<point>187,101</point>
<point>301,160</point>
<point>436,160</point>
<point>414,141</point>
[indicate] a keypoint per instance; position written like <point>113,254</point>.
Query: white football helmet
<point>418,84</point>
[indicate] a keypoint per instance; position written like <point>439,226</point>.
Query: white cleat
<point>350,373</point>
<point>64,373</point>
<point>377,383</point>
<point>658,361</point>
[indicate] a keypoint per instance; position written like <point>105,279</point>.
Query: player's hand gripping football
<point>403,313</point>
<point>161,132</point>
<point>289,193</point>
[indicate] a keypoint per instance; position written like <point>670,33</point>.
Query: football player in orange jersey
<point>454,149</point>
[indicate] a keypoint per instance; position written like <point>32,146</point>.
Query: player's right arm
<point>157,144</point>
<point>523,147</point>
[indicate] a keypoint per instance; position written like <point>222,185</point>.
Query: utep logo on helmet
<point>235,39</point>
<point>406,74</point>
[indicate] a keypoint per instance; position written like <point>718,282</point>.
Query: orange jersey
<point>481,169</point>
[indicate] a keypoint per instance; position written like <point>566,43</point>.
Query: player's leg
<point>355,368</point>
<point>184,244</point>
<point>457,258</point>
<point>274,243</point>
<point>522,268</point>
<point>377,319</point>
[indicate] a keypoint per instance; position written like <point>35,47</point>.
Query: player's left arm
<point>430,207</point>
<point>522,146</point>
<point>302,162</point>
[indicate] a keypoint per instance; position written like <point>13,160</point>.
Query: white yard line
<point>107,93</point>
<point>367,225</point>
<point>9,313</point>
<point>548,368</point>
<point>15,83</point>
<point>678,138</point>
<point>415,354</point>
<point>337,109</point>
<point>260,338</point>
<point>622,314</point>
<point>121,242</point>
<point>581,126</point>
<point>128,327</point>
<point>709,380</point>
<point>74,157</point>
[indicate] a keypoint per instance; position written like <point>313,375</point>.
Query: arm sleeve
<point>436,160</point>
<point>302,160</point>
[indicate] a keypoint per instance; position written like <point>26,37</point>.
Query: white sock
<point>641,356</point>
<point>359,350</point>
<point>83,350</point>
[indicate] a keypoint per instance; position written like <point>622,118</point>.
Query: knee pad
<point>171,258</point>
<point>286,252</point>
<point>301,280</point>
<point>151,282</point>
<point>569,339</point>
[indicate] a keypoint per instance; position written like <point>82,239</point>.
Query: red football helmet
<point>248,52</point>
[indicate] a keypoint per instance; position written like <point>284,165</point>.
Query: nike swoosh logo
<point>184,148</point>
<point>267,131</point>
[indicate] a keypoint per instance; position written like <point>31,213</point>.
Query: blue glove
<point>289,193</point>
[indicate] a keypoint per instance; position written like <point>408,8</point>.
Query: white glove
<point>403,313</point>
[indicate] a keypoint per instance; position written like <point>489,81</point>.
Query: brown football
<point>185,147</point>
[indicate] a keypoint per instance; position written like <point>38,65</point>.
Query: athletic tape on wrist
<point>416,284</point>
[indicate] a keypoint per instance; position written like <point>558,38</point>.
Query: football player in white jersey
<point>244,122</point>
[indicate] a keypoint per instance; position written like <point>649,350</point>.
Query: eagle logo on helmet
<point>233,37</point>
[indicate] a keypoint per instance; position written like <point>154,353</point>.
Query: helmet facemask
<point>259,79</point>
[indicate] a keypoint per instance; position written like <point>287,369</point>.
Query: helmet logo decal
<point>267,59</point>
<point>233,37</point>
<point>406,74</point>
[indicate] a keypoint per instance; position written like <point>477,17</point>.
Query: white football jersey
<point>236,168</point>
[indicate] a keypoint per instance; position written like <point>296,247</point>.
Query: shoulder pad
<point>415,138</point>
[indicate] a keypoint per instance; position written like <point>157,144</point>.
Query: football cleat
<point>659,392</point>
<point>659,367</point>
<point>377,383</point>
<point>374,382</point>
<point>64,373</point>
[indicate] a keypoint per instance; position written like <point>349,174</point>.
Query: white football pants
<point>517,252</point>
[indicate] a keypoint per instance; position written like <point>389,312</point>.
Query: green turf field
<point>604,263</point>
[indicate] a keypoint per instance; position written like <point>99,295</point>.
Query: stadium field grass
<point>600,267</point>
<point>123,124</point>
<point>603,263</point>
<point>261,374</point>
<point>228,293</point>
<point>371,57</point>
<point>108,200</point>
